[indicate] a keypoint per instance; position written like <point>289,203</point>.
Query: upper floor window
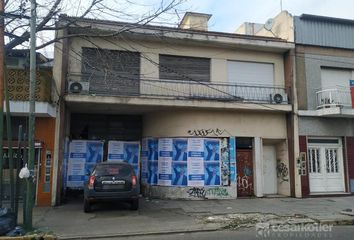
<point>184,68</point>
<point>251,73</point>
<point>336,77</point>
<point>111,71</point>
<point>116,63</point>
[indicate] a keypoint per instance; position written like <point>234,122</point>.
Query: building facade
<point>185,87</point>
<point>324,53</point>
<point>17,76</point>
<point>325,67</point>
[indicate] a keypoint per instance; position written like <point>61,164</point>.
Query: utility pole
<point>30,181</point>
<point>2,76</point>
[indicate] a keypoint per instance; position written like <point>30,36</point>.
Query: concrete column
<point>298,192</point>
<point>56,166</point>
<point>258,166</point>
<point>218,70</point>
<point>148,66</point>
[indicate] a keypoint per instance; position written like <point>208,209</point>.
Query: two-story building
<point>325,66</point>
<point>324,55</point>
<point>17,65</point>
<point>130,82</point>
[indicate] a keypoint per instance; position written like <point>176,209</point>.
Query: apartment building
<point>211,111</point>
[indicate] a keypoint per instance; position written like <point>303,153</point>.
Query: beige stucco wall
<point>242,124</point>
<point>283,27</point>
<point>195,22</point>
<point>150,53</point>
<point>283,157</point>
<point>57,66</point>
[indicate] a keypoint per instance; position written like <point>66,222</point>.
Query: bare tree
<point>48,11</point>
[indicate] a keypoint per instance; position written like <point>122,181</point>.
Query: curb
<point>30,237</point>
<point>337,222</point>
<point>121,235</point>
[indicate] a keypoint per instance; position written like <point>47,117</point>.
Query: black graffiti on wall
<point>197,192</point>
<point>282,172</point>
<point>206,132</point>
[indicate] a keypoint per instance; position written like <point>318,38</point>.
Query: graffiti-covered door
<point>244,173</point>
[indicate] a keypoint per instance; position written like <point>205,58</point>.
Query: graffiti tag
<point>243,184</point>
<point>197,192</point>
<point>218,192</point>
<point>282,172</point>
<point>206,132</point>
<point>225,171</point>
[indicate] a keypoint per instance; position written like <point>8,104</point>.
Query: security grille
<point>331,160</point>
<point>314,160</point>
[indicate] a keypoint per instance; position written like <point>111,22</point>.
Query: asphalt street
<point>338,232</point>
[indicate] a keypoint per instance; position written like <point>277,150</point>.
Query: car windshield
<point>113,170</point>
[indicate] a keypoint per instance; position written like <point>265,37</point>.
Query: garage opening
<point>97,130</point>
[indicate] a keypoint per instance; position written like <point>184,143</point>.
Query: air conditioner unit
<point>79,87</point>
<point>279,98</point>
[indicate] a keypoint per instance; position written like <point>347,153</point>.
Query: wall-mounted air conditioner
<point>79,87</point>
<point>279,98</point>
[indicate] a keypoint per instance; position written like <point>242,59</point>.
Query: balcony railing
<point>179,89</point>
<point>333,97</point>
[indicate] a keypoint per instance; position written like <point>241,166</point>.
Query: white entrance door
<point>325,167</point>
<point>269,170</point>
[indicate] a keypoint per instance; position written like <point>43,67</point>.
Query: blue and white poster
<point>115,151</point>
<point>125,151</point>
<point>165,161</point>
<point>195,162</point>
<point>153,172</point>
<point>212,161</point>
<point>180,149</point>
<point>212,173</point>
<point>179,175</point>
<point>152,160</point>
<point>212,149</point>
<point>153,149</point>
<point>232,149</point>
<point>144,160</point>
<point>83,156</point>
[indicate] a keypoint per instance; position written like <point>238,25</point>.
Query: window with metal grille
<point>331,160</point>
<point>111,71</point>
<point>184,68</point>
<point>314,160</point>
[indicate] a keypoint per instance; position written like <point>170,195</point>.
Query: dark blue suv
<point>112,181</point>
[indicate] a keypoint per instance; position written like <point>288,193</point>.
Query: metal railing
<point>180,89</point>
<point>333,97</point>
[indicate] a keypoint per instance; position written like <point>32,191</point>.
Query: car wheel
<point>134,204</point>
<point>87,206</point>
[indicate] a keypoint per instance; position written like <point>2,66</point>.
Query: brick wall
<point>305,185</point>
<point>350,157</point>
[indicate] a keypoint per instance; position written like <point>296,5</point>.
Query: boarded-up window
<point>184,68</point>
<point>111,71</point>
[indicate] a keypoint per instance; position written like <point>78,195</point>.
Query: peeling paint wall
<point>192,193</point>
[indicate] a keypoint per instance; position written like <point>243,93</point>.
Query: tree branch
<point>25,37</point>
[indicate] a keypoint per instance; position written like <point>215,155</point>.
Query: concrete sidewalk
<point>170,216</point>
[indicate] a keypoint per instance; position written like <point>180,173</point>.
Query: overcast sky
<point>229,14</point>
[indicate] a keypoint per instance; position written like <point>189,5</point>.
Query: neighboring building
<point>17,63</point>
<point>161,82</point>
<point>324,76</point>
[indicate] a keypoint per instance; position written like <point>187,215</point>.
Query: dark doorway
<point>244,162</point>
